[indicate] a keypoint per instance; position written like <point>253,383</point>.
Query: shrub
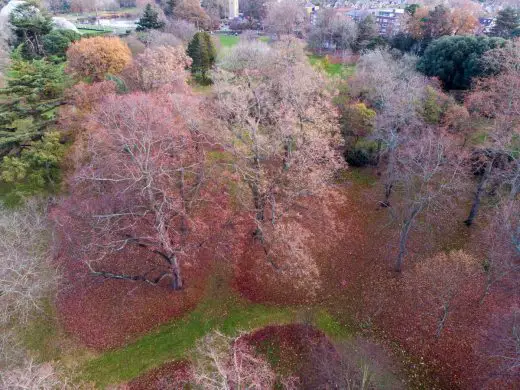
<point>362,153</point>
<point>57,42</point>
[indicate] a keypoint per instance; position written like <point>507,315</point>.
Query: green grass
<point>340,70</point>
<point>222,309</point>
<point>364,177</point>
<point>41,335</point>
<point>175,340</point>
<point>228,40</point>
<point>91,33</point>
<point>329,325</point>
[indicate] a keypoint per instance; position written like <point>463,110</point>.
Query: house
<point>389,20</point>
<point>485,25</point>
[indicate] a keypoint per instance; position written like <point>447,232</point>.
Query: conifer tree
<point>34,89</point>
<point>149,20</point>
<point>35,170</point>
<point>30,25</point>
<point>203,53</point>
<point>508,20</point>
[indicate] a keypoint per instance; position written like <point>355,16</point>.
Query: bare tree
<point>505,343</point>
<point>282,133</point>
<point>182,29</point>
<point>285,17</point>
<point>381,80</point>
<point>156,38</point>
<point>26,273</point>
<point>426,175</point>
<point>138,192</point>
<point>38,376</point>
<point>332,31</point>
<point>502,236</point>
<point>225,363</point>
<point>436,284</point>
<point>497,163</point>
<point>159,67</point>
<point>280,130</point>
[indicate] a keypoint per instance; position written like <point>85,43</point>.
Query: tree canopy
<point>98,56</point>
<point>30,24</point>
<point>34,89</point>
<point>456,60</point>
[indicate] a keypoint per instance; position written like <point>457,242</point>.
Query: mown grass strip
<point>175,340</point>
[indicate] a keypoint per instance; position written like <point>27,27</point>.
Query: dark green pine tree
<point>508,20</point>
<point>203,53</point>
<point>149,20</point>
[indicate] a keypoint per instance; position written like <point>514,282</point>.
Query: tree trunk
<point>388,192</point>
<point>403,238</point>
<point>442,319</point>
<point>287,153</point>
<point>177,282</point>
<point>478,195</point>
<point>389,185</point>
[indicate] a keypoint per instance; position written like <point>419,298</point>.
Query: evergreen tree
<point>410,9</point>
<point>508,20</point>
<point>35,170</point>
<point>456,60</point>
<point>149,20</point>
<point>57,42</point>
<point>203,53</point>
<point>34,89</point>
<point>30,25</point>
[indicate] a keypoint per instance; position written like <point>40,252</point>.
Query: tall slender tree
<point>202,51</point>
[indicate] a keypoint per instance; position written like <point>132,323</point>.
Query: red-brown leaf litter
<point>358,286</point>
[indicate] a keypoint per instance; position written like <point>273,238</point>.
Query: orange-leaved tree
<point>98,56</point>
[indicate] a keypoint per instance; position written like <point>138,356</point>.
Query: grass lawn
<point>340,70</point>
<point>228,40</point>
<point>222,309</point>
<point>175,340</point>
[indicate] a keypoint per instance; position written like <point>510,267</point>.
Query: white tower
<point>233,9</point>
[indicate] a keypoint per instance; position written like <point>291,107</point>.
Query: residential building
<point>389,20</point>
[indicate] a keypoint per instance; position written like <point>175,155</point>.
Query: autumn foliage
<point>97,56</point>
<point>162,66</point>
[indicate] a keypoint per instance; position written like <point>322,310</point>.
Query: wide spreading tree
<point>96,57</point>
<point>456,60</point>
<point>137,196</point>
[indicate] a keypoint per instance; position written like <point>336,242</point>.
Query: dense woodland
<point>302,206</point>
